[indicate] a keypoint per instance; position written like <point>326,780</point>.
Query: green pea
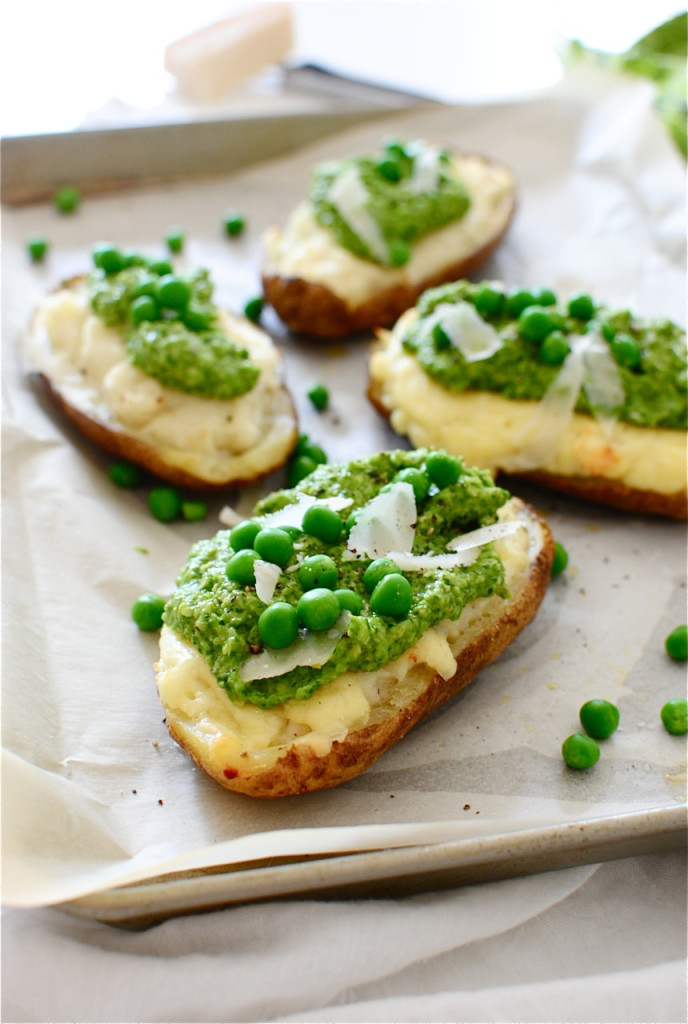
<point>349,601</point>
<point>125,475</point>
<point>375,571</point>
<point>133,259</point>
<point>173,292</point>
<point>253,309</point>
<point>243,534</point>
<point>278,625</point>
<point>580,751</point>
<point>146,612</point>
<point>318,609</point>
<point>67,199</point>
<point>599,718</point>
<point>440,337</point>
<point>674,716</point>
<point>399,253</point>
<point>240,568</point>
<point>607,331</point>
<point>299,468</point>
<point>581,306</point>
<point>395,149</point>
<point>197,318</point>
<point>108,257</point>
<point>545,297</point>
<point>304,446</point>
<point>143,308</point>
<point>488,300</point>
<point>626,351</point>
<point>234,223</point>
<point>561,559</point>
<point>194,511</point>
<point>175,240</point>
<point>322,522</point>
<point>554,349</point>
<point>148,285</point>
<point>389,169</point>
<point>676,644</point>
<point>535,323</point>
<point>319,396</point>
<point>274,545</point>
<point>161,267</point>
<point>518,300</point>
<point>392,596</point>
<point>443,469</point>
<point>165,503</point>
<point>37,247</point>
<point>419,481</point>
<point>318,571</point>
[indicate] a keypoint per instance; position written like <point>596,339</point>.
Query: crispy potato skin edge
<point>599,490</point>
<point>302,771</point>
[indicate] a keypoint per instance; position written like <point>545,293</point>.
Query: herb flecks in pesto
<point>219,617</point>
<point>182,347</point>
<point>654,389</point>
<point>410,190</point>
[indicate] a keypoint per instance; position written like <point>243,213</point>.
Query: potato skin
<point>301,770</point>
<point>313,310</point>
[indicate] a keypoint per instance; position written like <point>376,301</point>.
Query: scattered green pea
<point>443,469</point>
<point>545,297</point>
<point>304,446</point>
<point>240,568</point>
<point>419,481</point>
<point>392,596</point>
<point>253,309</point>
<point>535,323</point>
<point>440,337</point>
<point>108,257</point>
<point>318,609</point>
<point>196,318</point>
<point>299,468</point>
<point>37,247</point>
<point>160,267</point>
<point>234,223</point>
<point>561,558</point>
<point>674,716</point>
<point>175,240</point>
<point>399,253</point>
<point>389,169</point>
<point>274,545</point>
<point>143,308</point>
<point>278,625</point>
<point>243,534</point>
<point>599,718</point>
<point>378,568</point>
<point>165,503</point>
<point>554,349</point>
<point>488,300</point>
<point>147,612</point>
<point>349,601</point>
<point>67,199</point>
<point>318,571</point>
<point>581,306</point>
<point>319,396</point>
<point>322,522</point>
<point>125,475</point>
<point>194,511</point>
<point>173,292</point>
<point>518,300</point>
<point>676,644</point>
<point>626,351</point>
<point>580,751</point>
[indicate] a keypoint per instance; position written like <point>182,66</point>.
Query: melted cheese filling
<point>307,250</point>
<point>210,438</point>
<point>221,735</point>
<point>511,435</point>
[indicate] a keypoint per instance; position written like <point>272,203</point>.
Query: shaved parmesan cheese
<point>484,535</point>
<point>309,649</point>
<point>601,377</point>
<point>292,515</point>
<point>267,574</point>
<point>426,171</point>
<point>463,550</point>
<point>230,517</point>
<point>466,329</point>
<point>387,523</point>
<point>349,196</point>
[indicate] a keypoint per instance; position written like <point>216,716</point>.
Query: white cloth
<point>602,944</point>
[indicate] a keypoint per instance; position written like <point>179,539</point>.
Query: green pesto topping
<point>170,325</point>
<point>409,191</point>
<point>220,615</point>
<point>532,338</point>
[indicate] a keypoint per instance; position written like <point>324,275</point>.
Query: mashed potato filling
<point>509,435</point>
<point>210,438</point>
<point>248,739</point>
<point>305,249</point>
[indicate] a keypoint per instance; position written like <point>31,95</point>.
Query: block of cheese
<point>215,59</point>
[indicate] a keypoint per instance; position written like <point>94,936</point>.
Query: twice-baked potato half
<point>571,394</point>
<point>377,230</point>
<point>302,643</point>
<point>151,370</point>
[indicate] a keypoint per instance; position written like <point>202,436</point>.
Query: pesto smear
<point>525,345</point>
<point>378,206</point>
<point>170,324</point>
<point>219,616</point>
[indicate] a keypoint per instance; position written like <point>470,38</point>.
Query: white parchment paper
<point>95,793</point>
